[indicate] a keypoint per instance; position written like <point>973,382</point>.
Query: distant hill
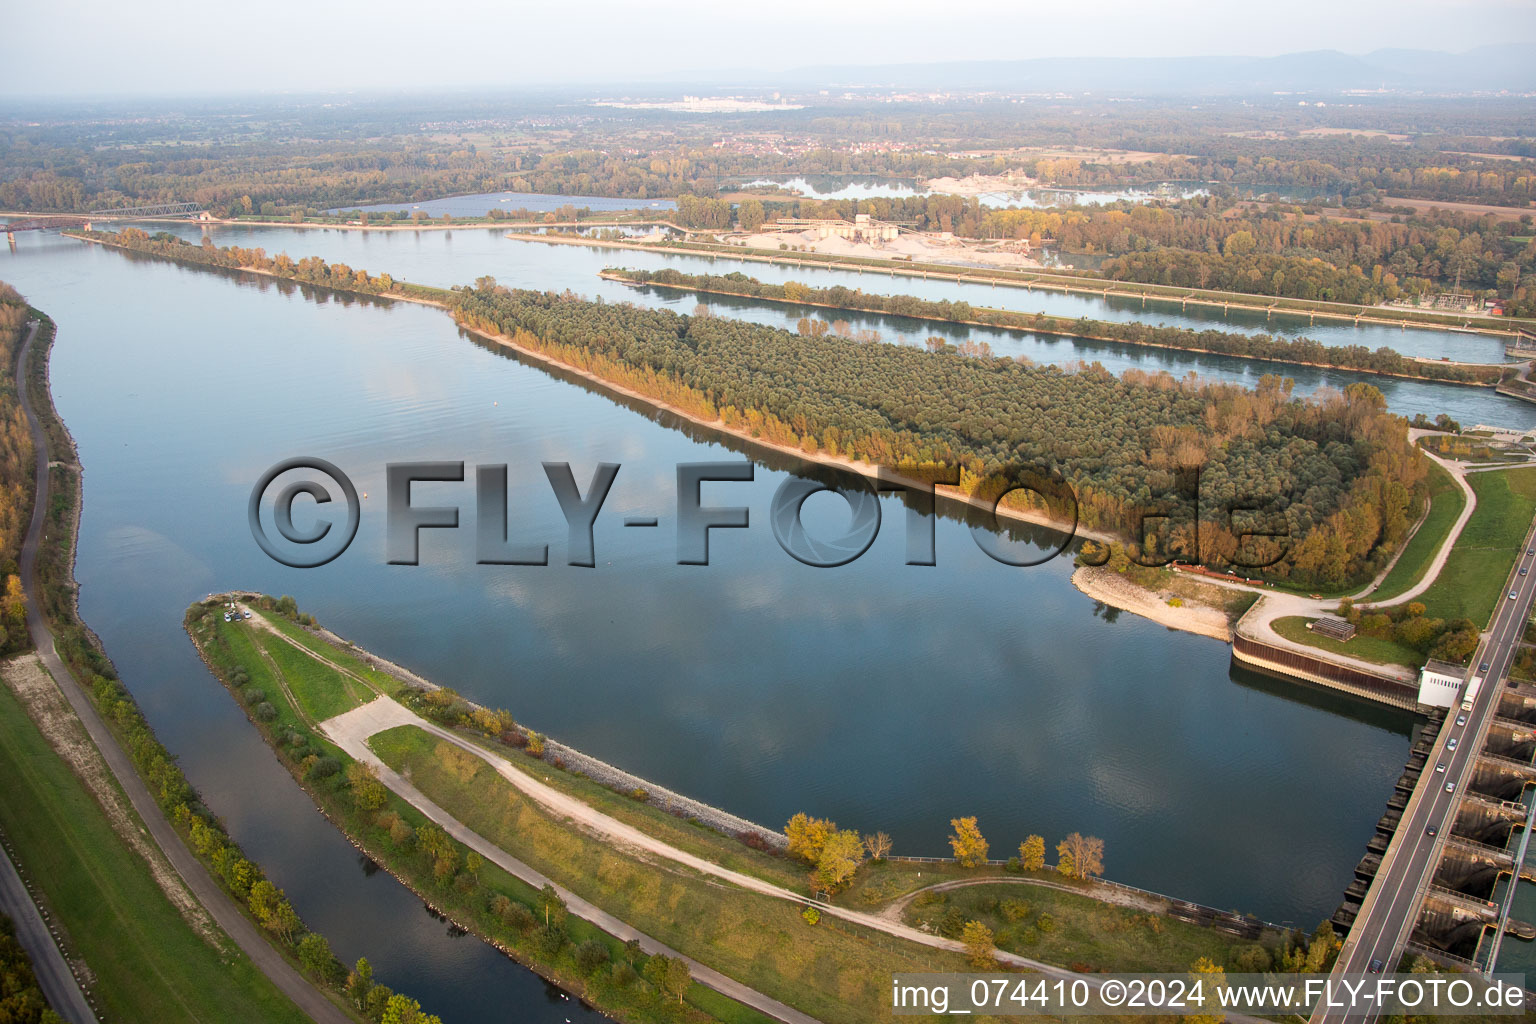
<point>1507,67</point>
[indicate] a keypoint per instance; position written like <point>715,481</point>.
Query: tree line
<point>73,165</point>
<point>16,472</point>
<point>1250,346</point>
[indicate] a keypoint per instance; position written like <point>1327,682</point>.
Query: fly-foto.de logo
<point>332,512</point>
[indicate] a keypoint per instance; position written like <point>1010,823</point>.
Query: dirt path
<point>1118,898</point>
<point>351,730</point>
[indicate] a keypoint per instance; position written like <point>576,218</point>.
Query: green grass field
<point>338,657</point>
<point>1472,582</point>
<point>1063,927</point>
<point>1446,503</point>
<point>1366,648</point>
<point>149,963</point>
<point>322,691</point>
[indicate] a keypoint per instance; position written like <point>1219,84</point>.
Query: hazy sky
<point>160,46</point>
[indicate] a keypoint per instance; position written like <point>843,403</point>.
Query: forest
<point>1250,346</point>
<point>1335,473</point>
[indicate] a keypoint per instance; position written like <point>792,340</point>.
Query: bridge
<point>46,223</point>
<point>153,210</point>
<point>62,221</point>
<point>1428,877</point>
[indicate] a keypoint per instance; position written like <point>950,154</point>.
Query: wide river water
<point>884,696</point>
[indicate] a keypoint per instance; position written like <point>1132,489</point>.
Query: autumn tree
<point>839,860</point>
<point>360,982</point>
<point>402,1009</point>
<point>1210,976</point>
<point>1032,853</point>
<point>979,945</point>
<point>807,836</point>
<point>967,842</point>
<point>750,214</point>
<point>878,845</point>
<point>367,791</point>
<point>1080,856</point>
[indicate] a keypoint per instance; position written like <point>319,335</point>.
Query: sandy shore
<point>1111,588</point>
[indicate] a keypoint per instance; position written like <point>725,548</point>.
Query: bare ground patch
<point>37,691</point>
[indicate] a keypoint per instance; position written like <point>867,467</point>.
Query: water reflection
<point>882,695</point>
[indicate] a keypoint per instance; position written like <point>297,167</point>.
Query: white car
<point>1440,768</point>
<point>1450,787</point>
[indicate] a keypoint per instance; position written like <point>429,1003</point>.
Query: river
<point>884,696</point>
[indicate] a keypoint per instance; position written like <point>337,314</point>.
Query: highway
<point>1391,906</point>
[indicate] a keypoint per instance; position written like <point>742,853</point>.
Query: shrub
<point>1252,959</point>
<point>1047,923</point>
<point>590,957</point>
<point>255,695</point>
<point>1016,910</point>
<point>551,941</point>
<point>519,918</point>
<point>811,915</point>
<point>265,712</point>
<point>756,841</point>
<point>639,795</point>
<point>952,923</point>
<point>323,768</point>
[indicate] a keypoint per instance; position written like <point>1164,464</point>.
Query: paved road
<point>217,902</point>
<point>1391,906</point>
<point>54,978</point>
